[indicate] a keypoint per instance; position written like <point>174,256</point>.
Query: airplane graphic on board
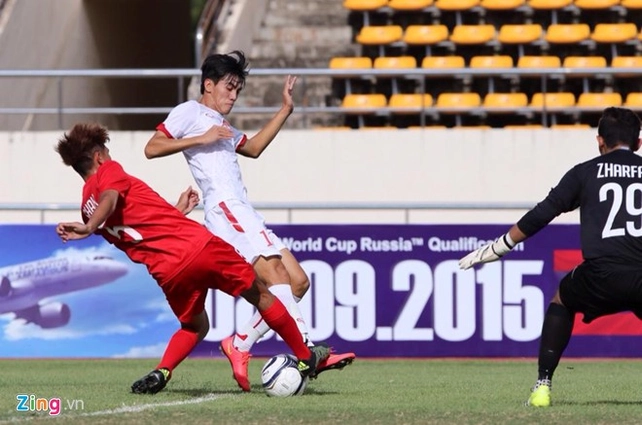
<point>25,288</point>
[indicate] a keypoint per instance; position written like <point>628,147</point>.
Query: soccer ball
<point>281,377</point>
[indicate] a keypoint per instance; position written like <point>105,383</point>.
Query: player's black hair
<point>217,66</point>
<point>77,147</point>
<point>619,126</point>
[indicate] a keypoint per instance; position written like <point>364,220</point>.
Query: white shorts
<point>240,225</point>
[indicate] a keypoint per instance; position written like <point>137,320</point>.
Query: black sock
<point>556,333</point>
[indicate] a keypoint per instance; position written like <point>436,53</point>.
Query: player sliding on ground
<point>608,191</point>
<point>184,258</point>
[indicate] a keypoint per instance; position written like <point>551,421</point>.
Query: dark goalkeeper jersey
<point>608,191</point>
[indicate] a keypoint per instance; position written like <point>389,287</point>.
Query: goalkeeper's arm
<point>495,250</point>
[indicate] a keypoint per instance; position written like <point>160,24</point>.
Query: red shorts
<point>217,266</point>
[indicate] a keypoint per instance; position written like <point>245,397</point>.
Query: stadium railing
<point>422,75</point>
<point>291,207</point>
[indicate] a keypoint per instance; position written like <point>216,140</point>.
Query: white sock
<point>253,330</point>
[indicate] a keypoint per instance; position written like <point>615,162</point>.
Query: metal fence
<point>423,76</point>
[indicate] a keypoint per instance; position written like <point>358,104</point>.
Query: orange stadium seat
<point>490,62</point>
<point>365,6</point>
<point>598,101</point>
<point>631,4</point>
<point>394,62</point>
<point>616,35</point>
<point>449,81</point>
<point>426,35</point>
<point>457,104</point>
<point>552,6</point>
<point>567,33</point>
<point>580,62</point>
<point>409,5</point>
<point>627,62</point>
<point>633,100</point>
<point>539,62</point>
<point>348,62</point>
<point>520,35</point>
<point>380,35</point>
<point>409,102</point>
<point>502,4</point>
<point>596,4</point>
<point>360,105</point>
<point>473,38</point>
<point>506,101</point>
<point>560,101</point>
<point>458,7</point>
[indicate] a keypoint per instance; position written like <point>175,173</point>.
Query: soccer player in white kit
<point>210,146</point>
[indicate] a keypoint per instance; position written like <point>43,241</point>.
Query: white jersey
<point>215,165</point>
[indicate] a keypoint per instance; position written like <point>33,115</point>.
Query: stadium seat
<point>554,7</point>
<point>350,63</point>
<point>520,35</point>
<point>505,102</point>
<point>458,7</point>
<point>449,81</point>
<point>596,4</point>
<point>627,62</point>
<point>580,62</point>
<point>427,36</point>
<point>394,62</point>
<point>535,82</point>
<point>365,7</point>
<point>473,34</point>
<point>404,103</point>
<point>511,5</point>
<point>631,4</point>
<point>598,101</point>
<point>360,105</point>
<point>576,126</point>
<point>456,104</point>
<point>616,35</point>
<point>573,38</point>
<point>552,105</point>
<point>380,36</point>
<point>409,5</point>
<point>491,62</point>
<point>633,100</point>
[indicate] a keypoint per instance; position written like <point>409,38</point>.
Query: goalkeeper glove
<point>487,253</point>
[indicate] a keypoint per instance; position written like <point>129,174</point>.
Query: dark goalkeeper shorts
<point>599,291</point>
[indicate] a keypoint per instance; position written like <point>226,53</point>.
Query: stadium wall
<point>413,166</point>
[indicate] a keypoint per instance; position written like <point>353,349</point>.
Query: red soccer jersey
<point>143,225</point>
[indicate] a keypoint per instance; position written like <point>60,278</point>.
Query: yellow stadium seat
<point>360,105</point>
<point>567,33</point>
<point>631,4</point>
<point>409,103</point>
<point>502,4</point>
<point>539,62</point>
<point>520,33</point>
<point>633,100</point>
<point>425,35</point>
<point>498,61</point>
<point>394,62</point>
<point>614,33</point>
<point>364,101</point>
<point>506,101</point>
<point>559,101</point>
<point>459,6</point>
<point>627,62</point>
<point>554,6</point>
<point>473,34</point>
<point>379,35</point>
<point>409,4</point>
<point>598,100</point>
<point>438,62</point>
<point>596,4</point>
<point>455,102</point>
<point>347,62</point>
<point>365,6</point>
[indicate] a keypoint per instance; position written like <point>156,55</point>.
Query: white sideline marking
<point>125,409</point>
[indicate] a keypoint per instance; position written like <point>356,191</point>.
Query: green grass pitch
<point>395,391</point>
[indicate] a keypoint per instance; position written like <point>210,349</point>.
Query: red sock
<point>278,318</point>
<point>180,345</point>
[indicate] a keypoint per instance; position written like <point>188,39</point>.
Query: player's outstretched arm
<point>256,144</point>
<point>494,250</point>
<point>75,230</point>
<point>187,201</point>
<point>162,145</point>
